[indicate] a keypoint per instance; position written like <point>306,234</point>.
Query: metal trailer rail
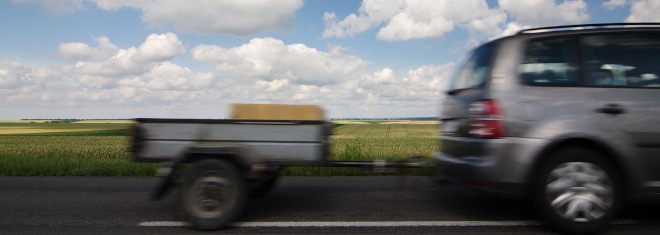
<point>169,174</point>
<point>377,166</point>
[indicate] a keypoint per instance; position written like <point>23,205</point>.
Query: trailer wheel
<point>213,194</point>
<point>264,184</point>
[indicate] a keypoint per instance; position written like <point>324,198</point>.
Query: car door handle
<point>611,109</point>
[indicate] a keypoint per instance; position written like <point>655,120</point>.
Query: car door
<point>623,73</point>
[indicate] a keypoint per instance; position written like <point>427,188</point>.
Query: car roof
<point>588,28</point>
<point>577,29</point>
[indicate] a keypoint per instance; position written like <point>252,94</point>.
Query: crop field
<point>76,128</point>
<point>384,131</point>
<point>100,148</point>
<point>376,140</point>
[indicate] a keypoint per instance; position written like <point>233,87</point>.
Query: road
<point>299,205</point>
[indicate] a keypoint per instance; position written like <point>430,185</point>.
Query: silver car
<point>568,116</point>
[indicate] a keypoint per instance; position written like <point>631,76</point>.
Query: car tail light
<point>485,120</point>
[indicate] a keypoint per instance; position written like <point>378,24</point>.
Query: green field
<point>100,148</point>
<point>42,128</point>
<point>385,131</point>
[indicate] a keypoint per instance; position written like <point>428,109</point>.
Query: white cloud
<point>640,10</point>
<point>644,11</point>
<point>101,89</point>
<point>271,86</point>
<point>14,75</point>
<point>82,51</point>
<point>57,6</point>
<point>422,84</point>
<point>404,26</point>
<point>270,59</point>
<point>510,29</point>
<point>113,5</point>
<point>159,47</point>
<point>143,81</point>
<point>384,76</point>
<point>611,4</point>
<point>383,93</point>
<point>372,13</point>
<point>238,17</point>
<point>75,50</point>
<point>168,76</point>
<point>546,12</point>
<point>169,90</point>
<point>156,48</point>
<point>411,19</point>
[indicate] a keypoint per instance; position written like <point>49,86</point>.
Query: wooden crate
<point>276,112</point>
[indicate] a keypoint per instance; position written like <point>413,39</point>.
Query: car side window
<point>549,62</point>
<point>475,70</point>
<point>622,60</point>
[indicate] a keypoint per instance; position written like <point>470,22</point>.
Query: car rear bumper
<point>502,166</point>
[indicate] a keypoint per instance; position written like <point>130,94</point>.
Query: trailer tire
<point>264,184</point>
<point>213,194</point>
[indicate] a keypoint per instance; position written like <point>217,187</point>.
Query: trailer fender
<point>170,172</point>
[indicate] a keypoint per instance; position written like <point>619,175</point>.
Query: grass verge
<point>13,165</point>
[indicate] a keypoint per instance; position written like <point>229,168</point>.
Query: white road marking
<point>386,224</point>
<point>288,224</point>
<point>163,224</point>
<point>355,224</point>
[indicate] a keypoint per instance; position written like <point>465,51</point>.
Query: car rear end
<point>541,114</point>
<point>476,147</point>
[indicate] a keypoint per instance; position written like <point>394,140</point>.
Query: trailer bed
<point>163,140</point>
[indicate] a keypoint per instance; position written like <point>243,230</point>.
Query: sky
<point>122,59</point>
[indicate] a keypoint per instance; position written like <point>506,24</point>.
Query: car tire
<point>578,191</point>
<point>213,194</point>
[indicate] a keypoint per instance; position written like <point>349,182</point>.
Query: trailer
<point>219,163</point>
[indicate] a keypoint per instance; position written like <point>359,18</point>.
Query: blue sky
<point>191,59</point>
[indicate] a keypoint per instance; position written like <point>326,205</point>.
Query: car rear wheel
<point>578,191</point>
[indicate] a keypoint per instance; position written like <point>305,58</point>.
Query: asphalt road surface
<point>299,205</point>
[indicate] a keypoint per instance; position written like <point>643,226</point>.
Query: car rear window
<point>474,71</point>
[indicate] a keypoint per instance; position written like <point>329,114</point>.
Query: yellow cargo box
<point>276,112</point>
